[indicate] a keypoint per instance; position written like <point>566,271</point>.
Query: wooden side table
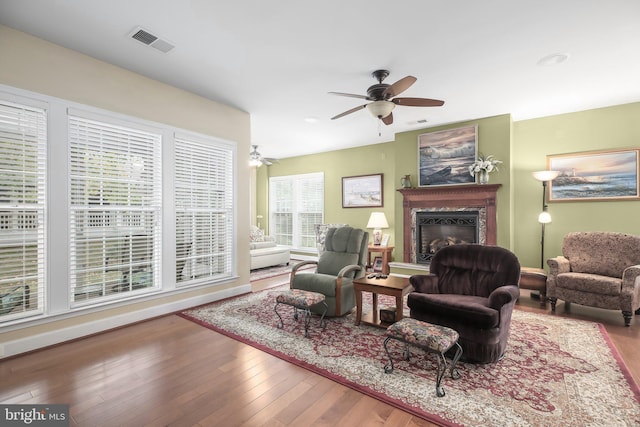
<point>386,256</point>
<point>395,286</point>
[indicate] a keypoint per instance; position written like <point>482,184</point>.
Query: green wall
<point>592,130</point>
<point>522,146</point>
<point>394,160</point>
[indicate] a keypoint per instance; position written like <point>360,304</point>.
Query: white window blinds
<point>115,205</point>
<point>204,209</point>
<point>296,204</point>
<point>22,210</point>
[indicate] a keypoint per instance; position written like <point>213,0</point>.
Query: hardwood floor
<point>171,372</point>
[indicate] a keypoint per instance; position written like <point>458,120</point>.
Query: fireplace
<point>438,216</point>
<point>438,228</point>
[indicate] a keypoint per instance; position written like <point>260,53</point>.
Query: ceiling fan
<point>384,98</point>
<point>256,159</point>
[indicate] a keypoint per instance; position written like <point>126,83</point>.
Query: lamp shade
<point>545,175</point>
<point>380,109</point>
<point>544,217</point>
<point>377,220</point>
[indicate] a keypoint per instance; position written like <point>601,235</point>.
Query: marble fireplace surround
<point>474,197</point>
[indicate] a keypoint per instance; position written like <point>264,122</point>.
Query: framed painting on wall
<point>595,175</point>
<point>362,191</point>
<point>444,156</point>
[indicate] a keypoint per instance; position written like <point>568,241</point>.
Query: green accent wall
<point>592,130</point>
<point>522,146</point>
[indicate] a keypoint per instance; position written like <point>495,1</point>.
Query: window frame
<point>295,203</point>
<point>120,221</point>
<point>201,261</point>
<point>57,294</point>
<point>16,207</point>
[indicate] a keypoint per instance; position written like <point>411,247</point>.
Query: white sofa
<point>264,251</point>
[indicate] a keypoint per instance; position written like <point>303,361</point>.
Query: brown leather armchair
<point>598,269</point>
<point>471,289</point>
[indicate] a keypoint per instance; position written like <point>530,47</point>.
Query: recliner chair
<point>471,289</point>
<point>343,260</point>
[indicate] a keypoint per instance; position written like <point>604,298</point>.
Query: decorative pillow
<point>256,234</point>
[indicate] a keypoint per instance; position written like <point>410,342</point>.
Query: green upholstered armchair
<point>343,260</point>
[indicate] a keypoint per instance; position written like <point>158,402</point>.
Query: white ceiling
<point>277,59</point>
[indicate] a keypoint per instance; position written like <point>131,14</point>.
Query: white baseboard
<point>34,342</point>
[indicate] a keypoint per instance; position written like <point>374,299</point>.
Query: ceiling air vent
<point>143,36</point>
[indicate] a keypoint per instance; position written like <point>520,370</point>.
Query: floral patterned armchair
<point>597,269</point>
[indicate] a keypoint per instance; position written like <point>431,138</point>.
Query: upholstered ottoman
<point>534,279</point>
<point>301,300</point>
<point>430,338</point>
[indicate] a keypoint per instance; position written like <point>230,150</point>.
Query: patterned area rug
<point>557,371</point>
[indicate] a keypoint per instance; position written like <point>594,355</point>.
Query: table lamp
<point>377,221</point>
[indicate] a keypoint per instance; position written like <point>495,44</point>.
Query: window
<point>204,209</point>
<point>115,204</point>
<point>22,210</point>
<point>296,204</point>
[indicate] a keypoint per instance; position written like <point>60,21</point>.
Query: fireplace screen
<point>435,230</point>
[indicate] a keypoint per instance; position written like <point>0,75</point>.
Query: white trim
<point>34,342</point>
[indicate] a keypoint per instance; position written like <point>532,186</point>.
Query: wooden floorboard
<point>172,372</point>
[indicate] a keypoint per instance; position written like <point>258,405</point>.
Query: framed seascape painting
<point>444,156</point>
<point>362,191</point>
<point>595,175</point>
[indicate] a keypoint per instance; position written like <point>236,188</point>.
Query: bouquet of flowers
<point>484,164</point>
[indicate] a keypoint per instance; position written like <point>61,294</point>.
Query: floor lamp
<point>545,217</point>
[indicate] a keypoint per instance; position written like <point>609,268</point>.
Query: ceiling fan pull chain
<point>379,127</point>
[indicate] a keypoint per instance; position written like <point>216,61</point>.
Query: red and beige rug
<point>557,371</point>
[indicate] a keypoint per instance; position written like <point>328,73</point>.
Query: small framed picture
<point>385,240</point>
<point>377,264</point>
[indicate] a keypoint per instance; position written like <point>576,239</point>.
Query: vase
<point>483,177</point>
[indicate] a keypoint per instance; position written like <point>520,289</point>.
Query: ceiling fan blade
<point>388,120</point>
<point>350,95</point>
<point>269,160</point>
<point>398,87</point>
<point>418,102</point>
<point>353,110</point>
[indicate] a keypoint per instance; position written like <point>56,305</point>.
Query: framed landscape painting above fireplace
<point>444,156</point>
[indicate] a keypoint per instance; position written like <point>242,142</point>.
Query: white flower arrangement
<point>487,164</point>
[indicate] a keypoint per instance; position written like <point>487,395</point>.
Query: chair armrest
<point>558,265</point>
<point>425,283</point>
<point>503,295</point>
<point>349,269</point>
<point>631,279</point>
<point>295,268</point>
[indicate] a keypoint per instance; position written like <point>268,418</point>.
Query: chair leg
<point>388,368</point>
<point>553,302</point>
<point>627,318</point>
<point>280,324</point>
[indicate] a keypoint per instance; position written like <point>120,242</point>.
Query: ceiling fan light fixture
<point>380,109</point>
